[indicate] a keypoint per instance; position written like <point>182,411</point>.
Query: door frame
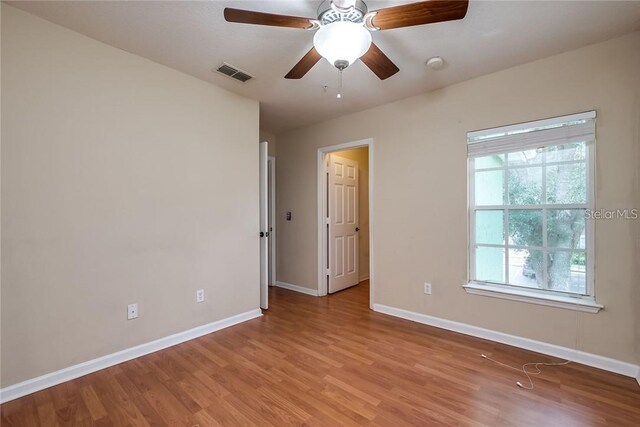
<point>322,190</point>
<point>271,161</point>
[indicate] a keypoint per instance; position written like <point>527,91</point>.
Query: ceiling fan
<point>344,30</point>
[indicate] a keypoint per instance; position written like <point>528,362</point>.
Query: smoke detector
<point>435,63</point>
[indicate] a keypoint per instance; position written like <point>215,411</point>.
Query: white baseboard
<point>363,278</point>
<point>601,362</point>
<point>302,289</point>
<point>48,380</point>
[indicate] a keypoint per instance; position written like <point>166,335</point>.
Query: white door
<point>343,223</point>
<point>264,228</point>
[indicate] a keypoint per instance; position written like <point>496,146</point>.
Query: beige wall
<point>122,181</point>
<point>419,188</point>
<point>361,155</point>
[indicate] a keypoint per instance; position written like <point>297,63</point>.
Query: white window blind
<point>533,135</point>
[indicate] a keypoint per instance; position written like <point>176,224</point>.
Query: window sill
<point>586,305</point>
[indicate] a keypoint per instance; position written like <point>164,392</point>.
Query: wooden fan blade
<point>424,12</point>
<point>379,63</point>
<point>261,18</point>
<point>304,65</point>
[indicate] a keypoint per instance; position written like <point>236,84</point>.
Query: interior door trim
<point>321,191</point>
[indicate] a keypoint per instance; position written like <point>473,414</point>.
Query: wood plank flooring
<point>328,362</point>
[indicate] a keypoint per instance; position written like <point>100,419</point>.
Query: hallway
<point>331,361</point>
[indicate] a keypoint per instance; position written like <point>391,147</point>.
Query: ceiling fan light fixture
<point>341,42</point>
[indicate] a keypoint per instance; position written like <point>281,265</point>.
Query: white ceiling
<point>193,37</point>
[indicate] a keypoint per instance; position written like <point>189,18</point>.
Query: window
<point>530,186</point>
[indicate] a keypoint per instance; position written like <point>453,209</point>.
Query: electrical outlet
<point>427,288</point>
<point>132,311</point>
<point>200,295</point>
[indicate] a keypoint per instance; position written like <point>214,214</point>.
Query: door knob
<point>262,234</point>
<point>357,229</point>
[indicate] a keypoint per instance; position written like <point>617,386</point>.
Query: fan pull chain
<point>339,96</point>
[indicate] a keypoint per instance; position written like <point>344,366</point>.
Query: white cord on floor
<point>523,369</point>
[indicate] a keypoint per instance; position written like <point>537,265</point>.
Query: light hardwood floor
<point>327,362</point>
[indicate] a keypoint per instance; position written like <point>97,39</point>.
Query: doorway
<point>271,222</point>
<point>267,230</point>
<point>344,217</point>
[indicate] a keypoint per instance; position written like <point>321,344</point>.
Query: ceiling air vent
<point>233,72</point>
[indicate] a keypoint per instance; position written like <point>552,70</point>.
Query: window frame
<point>583,302</point>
